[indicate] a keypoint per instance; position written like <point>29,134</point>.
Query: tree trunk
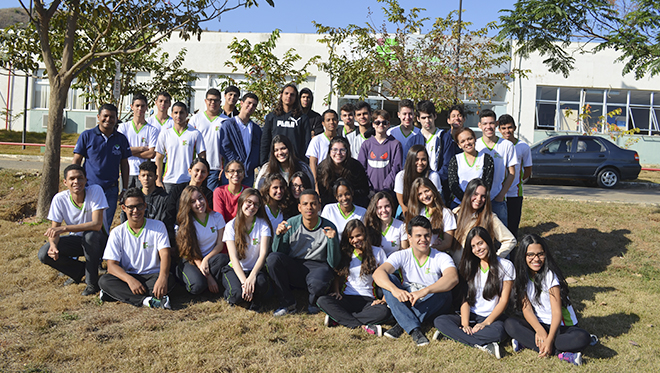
<point>51,169</point>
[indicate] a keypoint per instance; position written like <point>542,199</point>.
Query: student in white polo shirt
<point>504,159</point>
<point>317,150</point>
<point>161,118</point>
<point>406,131</point>
<point>344,210</point>
<point>138,255</point>
<point>180,144</point>
<point>428,277</point>
<point>142,138</point>
<point>81,208</point>
<point>384,230</point>
<point>247,237</point>
<point>208,123</point>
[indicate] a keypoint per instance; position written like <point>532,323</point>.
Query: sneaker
<point>90,290</point>
<point>328,322</point>
<point>285,310</point>
<point>164,302</point>
<point>105,297</point>
<point>419,338</point>
<point>70,281</point>
<point>594,340</point>
<point>492,348</point>
<point>313,310</point>
<point>517,347</point>
<point>437,336</point>
<point>395,332</point>
<point>571,357</point>
<point>376,330</point>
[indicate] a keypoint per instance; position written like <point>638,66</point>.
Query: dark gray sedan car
<point>584,158</point>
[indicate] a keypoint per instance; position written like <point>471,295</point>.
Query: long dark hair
<point>415,206</point>
<point>523,276</point>
<point>371,219</point>
<point>186,236</point>
<point>283,205</point>
<point>369,264</point>
<point>291,165</point>
<point>241,222</point>
<point>464,216</point>
<point>297,109</point>
<point>328,171</point>
<point>470,267</point>
<point>410,173</point>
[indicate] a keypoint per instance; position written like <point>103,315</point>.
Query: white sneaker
<point>492,348</point>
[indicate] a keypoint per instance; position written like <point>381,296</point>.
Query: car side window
<point>559,146</point>
<point>590,146</point>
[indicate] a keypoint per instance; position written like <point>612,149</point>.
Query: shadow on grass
<point>611,326</point>
<point>579,294</point>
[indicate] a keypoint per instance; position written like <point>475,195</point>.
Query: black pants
<point>568,338</point>
<point>449,326</point>
<point>354,311</point>
<point>514,211</point>
<point>119,290</point>
<point>192,277</point>
<point>300,273</point>
<point>234,290</point>
<point>90,245</point>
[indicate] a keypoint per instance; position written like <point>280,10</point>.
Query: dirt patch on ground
<point>18,194</point>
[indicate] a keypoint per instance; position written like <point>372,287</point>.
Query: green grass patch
<point>34,138</point>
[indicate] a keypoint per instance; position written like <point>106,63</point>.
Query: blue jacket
<point>232,147</point>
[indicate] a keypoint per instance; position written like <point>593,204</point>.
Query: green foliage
<point>407,64</point>
<point>265,73</point>
<point>591,125</point>
<point>549,27</point>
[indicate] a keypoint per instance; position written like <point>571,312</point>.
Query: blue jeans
<point>500,209</point>
<point>111,195</point>
<point>213,181</point>
<point>411,317</point>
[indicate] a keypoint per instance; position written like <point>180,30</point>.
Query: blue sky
<point>297,15</point>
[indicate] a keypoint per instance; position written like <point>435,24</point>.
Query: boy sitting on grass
<point>138,255</point>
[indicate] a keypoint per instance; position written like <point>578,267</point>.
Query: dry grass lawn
<point>610,252</point>
<point>34,138</point>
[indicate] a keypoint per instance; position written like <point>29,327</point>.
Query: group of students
<point>318,216</point>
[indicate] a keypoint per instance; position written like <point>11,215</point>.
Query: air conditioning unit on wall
<point>90,122</point>
<point>44,120</point>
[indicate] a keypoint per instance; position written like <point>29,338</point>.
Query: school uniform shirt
<point>342,130</point>
<point>542,308</point>
<point>226,202</point>
<point>524,156</point>
<point>423,274</point>
<point>483,307</point>
<point>382,161</point>
<point>501,234</point>
<point>158,125</point>
<point>357,284</point>
<point>257,231</point>
<point>355,140</point>
<point>318,147</point>
<point>137,252</point>
<point>181,149</point>
<point>433,144</point>
<point>207,231</point>
<point>146,136</point>
<point>432,175</point>
<point>275,217</point>
<point>397,133</point>
<point>63,209</point>
<point>333,213</point>
<point>393,236</point>
<point>210,130</point>
<point>465,172</point>
<point>504,156</point>
<point>103,155</point>
<point>448,221</point>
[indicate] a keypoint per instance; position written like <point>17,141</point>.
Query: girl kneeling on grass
<point>247,237</point>
<point>199,241</point>
<point>489,282</point>
<point>550,325</point>
<point>358,305</point>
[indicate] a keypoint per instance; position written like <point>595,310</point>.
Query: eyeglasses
<point>214,100</point>
<point>541,255</point>
<point>383,122</point>
<point>298,186</point>
<point>337,150</point>
<point>138,207</point>
<point>234,172</point>
<point>250,203</point>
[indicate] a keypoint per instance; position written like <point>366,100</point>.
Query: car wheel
<point>607,178</point>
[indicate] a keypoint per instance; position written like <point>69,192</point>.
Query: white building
<point>539,103</point>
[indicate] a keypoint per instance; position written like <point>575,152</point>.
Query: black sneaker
<point>395,332</point>
<point>419,338</point>
<point>90,290</point>
<point>70,281</point>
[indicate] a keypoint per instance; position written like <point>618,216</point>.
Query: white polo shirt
<point>63,209</point>
<point>357,284</point>
<point>210,130</point>
<point>181,149</point>
<point>483,307</point>
<point>207,231</point>
<point>333,213</point>
<point>504,156</point>
<point>138,252</point>
<point>433,176</point>
<point>146,136</point>
<point>542,308</point>
<point>257,232</point>
<point>466,171</point>
<point>393,236</point>
<point>524,156</point>
<point>424,274</point>
<point>318,147</point>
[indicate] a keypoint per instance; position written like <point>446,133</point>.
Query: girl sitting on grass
<point>425,200</point>
<point>199,241</point>
<point>275,193</point>
<point>247,237</point>
<point>489,280</point>
<point>383,230</point>
<point>356,306</point>
<point>550,324</point>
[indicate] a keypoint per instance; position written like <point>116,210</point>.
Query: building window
<point>593,109</point>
